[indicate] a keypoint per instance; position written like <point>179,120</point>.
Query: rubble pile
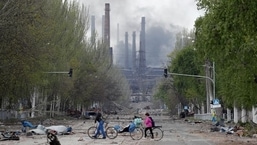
<point>225,133</point>
<point>248,129</point>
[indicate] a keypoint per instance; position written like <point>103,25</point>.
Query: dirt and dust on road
<point>214,132</point>
<point>203,129</point>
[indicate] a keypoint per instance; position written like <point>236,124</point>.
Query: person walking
<point>148,124</point>
<point>214,116</point>
<point>100,127</point>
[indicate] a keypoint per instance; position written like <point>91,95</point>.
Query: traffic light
<point>70,72</point>
<point>165,72</point>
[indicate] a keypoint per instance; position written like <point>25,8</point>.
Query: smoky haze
<point>159,43</point>
<point>164,18</point>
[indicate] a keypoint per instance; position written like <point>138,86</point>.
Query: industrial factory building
<point>133,62</point>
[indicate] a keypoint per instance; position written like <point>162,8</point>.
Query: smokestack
<point>103,21</point>
<point>142,61</point>
<point>126,51</point>
<point>143,33</point>
<point>107,25</point>
<point>107,30</point>
<point>118,34</point>
<point>134,52</point>
<point>92,29</point>
<point>111,55</point>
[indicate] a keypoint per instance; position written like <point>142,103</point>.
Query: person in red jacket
<point>148,124</point>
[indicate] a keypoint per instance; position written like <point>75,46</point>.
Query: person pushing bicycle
<point>148,124</point>
<point>100,127</point>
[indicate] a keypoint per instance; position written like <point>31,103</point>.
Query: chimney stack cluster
<point>137,56</point>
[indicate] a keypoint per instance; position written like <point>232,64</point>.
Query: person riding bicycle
<point>100,127</point>
<point>148,124</point>
<point>136,122</point>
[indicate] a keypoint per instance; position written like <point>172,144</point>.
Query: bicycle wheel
<point>91,131</point>
<point>111,132</point>
<point>137,134</point>
<point>157,134</point>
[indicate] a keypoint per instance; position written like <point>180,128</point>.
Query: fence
<point>207,116</point>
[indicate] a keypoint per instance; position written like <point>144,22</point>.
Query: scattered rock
<point>240,133</point>
<point>80,139</point>
<point>29,134</point>
<point>254,136</point>
<point>198,122</point>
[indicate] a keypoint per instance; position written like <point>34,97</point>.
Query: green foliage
<point>227,35</point>
<point>20,52</point>
<point>38,37</point>
<point>182,89</point>
<point>185,62</point>
<point>165,92</point>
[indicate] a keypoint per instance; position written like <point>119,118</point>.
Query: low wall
<point>207,116</point>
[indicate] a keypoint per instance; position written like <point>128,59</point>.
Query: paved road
<point>175,133</point>
<point>178,133</point>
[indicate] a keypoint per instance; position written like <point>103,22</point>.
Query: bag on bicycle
<point>138,122</point>
<point>132,127</point>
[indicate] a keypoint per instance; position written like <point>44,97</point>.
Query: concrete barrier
<point>207,116</point>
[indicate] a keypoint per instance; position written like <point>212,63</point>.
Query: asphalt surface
<point>175,133</point>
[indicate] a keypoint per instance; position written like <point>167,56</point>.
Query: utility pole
<point>210,89</point>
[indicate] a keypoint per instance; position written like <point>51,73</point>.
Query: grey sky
<point>128,13</point>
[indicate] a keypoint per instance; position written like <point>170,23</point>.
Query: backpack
<point>153,123</point>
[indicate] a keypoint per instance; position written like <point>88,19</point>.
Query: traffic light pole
<point>57,72</point>
<point>197,76</point>
<point>62,72</point>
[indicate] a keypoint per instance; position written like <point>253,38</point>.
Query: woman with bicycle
<point>148,124</point>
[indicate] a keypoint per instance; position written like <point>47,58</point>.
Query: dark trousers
<point>126,129</point>
<point>151,131</point>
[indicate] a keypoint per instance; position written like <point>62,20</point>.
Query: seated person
<point>137,121</point>
<point>125,129</point>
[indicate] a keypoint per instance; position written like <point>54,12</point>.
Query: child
<point>148,124</point>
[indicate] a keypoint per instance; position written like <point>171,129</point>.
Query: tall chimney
<point>103,27</point>
<point>134,52</point>
<point>142,61</point>
<point>111,55</point>
<point>118,34</point>
<point>126,51</point>
<point>107,25</point>
<point>93,32</point>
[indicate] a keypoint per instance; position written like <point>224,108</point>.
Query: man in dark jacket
<point>100,127</point>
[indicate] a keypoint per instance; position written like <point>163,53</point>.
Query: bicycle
<point>110,131</point>
<point>135,132</point>
<point>157,133</point>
